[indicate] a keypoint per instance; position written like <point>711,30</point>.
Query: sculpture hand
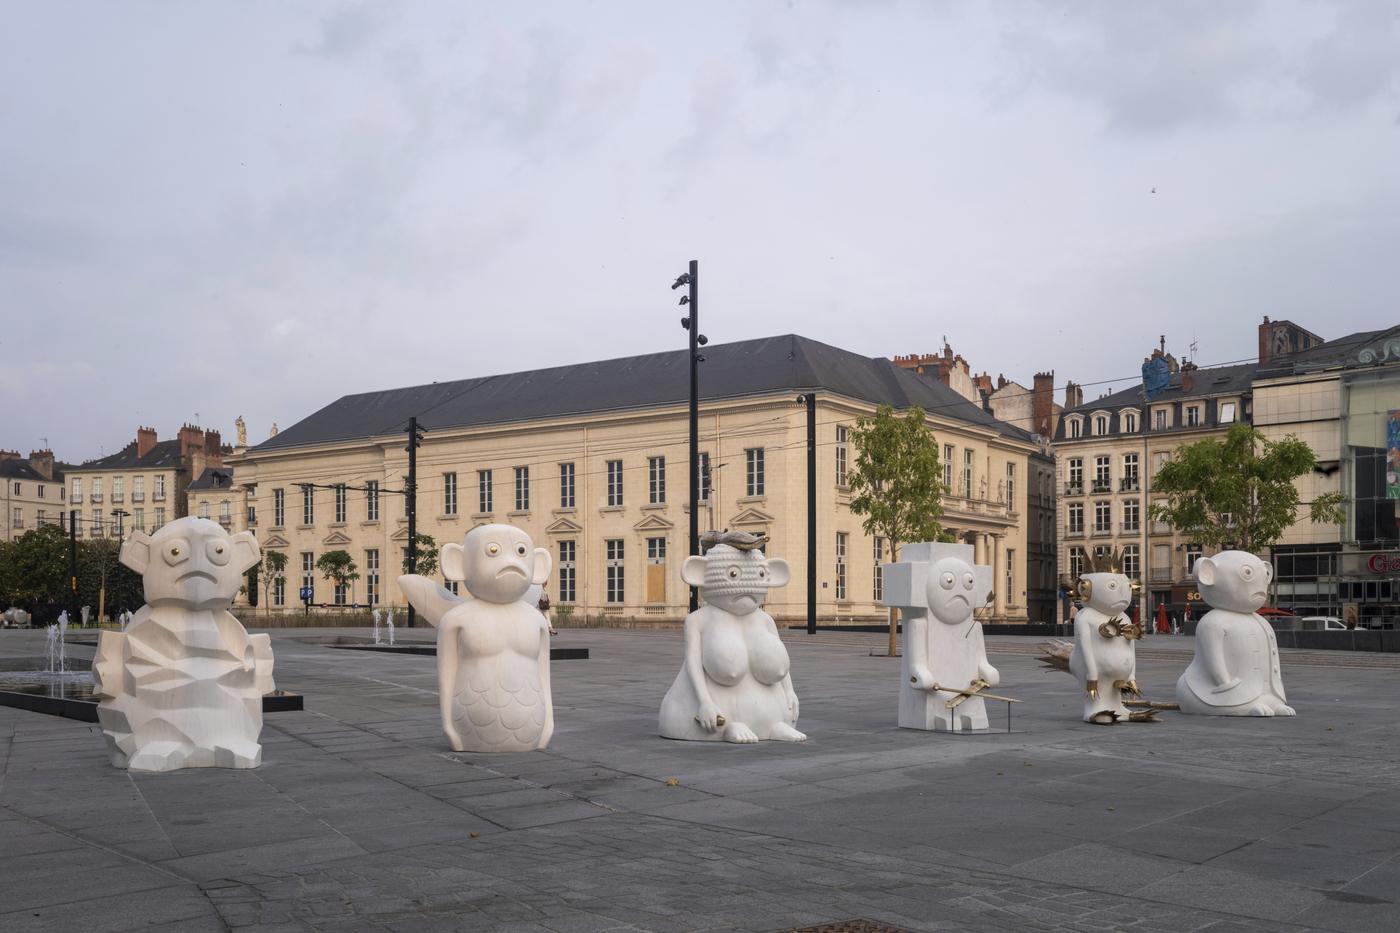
<point>792,706</point>
<point>921,678</point>
<point>709,716</point>
<point>1132,687</point>
<point>1091,687</point>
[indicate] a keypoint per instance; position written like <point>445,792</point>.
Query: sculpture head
<point>1234,580</point>
<point>955,586</point>
<point>191,562</point>
<point>496,563</point>
<point>1109,593</point>
<point>734,580</point>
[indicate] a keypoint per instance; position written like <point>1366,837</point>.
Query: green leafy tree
<point>427,555</point>
<point>1239,490</point>
<point>271,568</point>
<point>34,568</point>
<point>104,580</point>
<point>338,567</point>
<point>897,483</point>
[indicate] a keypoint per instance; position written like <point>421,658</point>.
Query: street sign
<point>306,593</point>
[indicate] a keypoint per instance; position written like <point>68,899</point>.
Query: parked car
<point>1321,624</point>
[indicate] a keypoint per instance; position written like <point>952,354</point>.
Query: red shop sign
<point>1383,563</point>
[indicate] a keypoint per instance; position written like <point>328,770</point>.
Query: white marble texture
<point>1104,660</point>
<point>1236,669</point>
<point>492,648</point>
<point>734,684</point>
<point>182,687</point>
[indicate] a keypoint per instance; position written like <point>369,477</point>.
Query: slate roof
<point>1217,380</point>
<point>788,363</point>
<point>213,478</point>
<point>163,454</point>
<point>1341,353</point>
<point>20,468</point>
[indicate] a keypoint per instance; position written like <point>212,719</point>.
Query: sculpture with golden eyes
<point>1236,669</point>
<point>734,684</point>
<point>945,664</point>
<point>1104,658</point>
<point>492,649</point>
<point>182,687</point>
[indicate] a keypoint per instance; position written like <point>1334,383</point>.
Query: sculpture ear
<point>905,585</point>
<point>1205,571</point>
<point>778,572</point>
<point>693,570</point>
<point>543,565</point>
<point>453,561</point>
<point>136,551</point>
<point>246,550</point>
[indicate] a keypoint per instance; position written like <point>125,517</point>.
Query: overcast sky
<point>224,209</point>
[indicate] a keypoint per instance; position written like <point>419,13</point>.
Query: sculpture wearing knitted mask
<point>492,649</point>
<point>945,664</point>
<point>1236,669</point>
<point>182,687</point>
<point>734,684</point>
<point>1104,658</point>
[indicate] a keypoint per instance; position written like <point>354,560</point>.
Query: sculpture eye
<point>521,550</point>
<point>1247,573</point>
<point>733,573</point>
<point>946,581</point>
<point>217,552</point>
<point>176,552</point>
<point>763,574</point>
<point>493,549</point>
<point>967,581</point>
<point>1113,584</point>
<point>1268,571</point>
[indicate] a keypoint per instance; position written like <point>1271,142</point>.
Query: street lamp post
<point>691,322</point>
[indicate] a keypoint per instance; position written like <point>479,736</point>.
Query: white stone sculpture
<point>1236,669</point>
<point>1104,659</point>
<point>492,649</point>
<point>937,587</point>
<point>182,687</point>
<point>86,611</point>
<point>734,684</point>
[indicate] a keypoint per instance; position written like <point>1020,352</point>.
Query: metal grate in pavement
<point>857,925</point>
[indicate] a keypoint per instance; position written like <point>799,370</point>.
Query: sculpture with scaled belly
<point>945,657</point>
<point>182,687</point>
<point>492,649</point>
<point>1236,669</point>
<point>1104,659</point>
<point>734,684</point>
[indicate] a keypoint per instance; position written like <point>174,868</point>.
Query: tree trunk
<point>894,613</point>
<point>101,602</point>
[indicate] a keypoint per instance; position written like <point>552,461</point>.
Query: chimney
<point>145,441</point>
<point>9,454</point>
<point>190,437</point>
<point>42,462</point>
<point>1074,395</point>
<point>213,449</point>
<point>1264,341</point>
<point>1043,404</point>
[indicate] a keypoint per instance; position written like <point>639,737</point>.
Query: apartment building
<point>33,493</point>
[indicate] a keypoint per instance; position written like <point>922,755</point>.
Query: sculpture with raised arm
<point>945,665</point>
<point>492,649</point>
<point>1104,658</point>
<point>734,684</point>
<point>182,687</point>
<point>1236,669</point>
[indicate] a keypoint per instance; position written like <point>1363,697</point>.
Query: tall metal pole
<point>72,563</point>
<point>411,507</point>
<point>811,513</point>
<point>694,311</point>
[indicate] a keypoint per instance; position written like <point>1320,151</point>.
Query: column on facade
<point>999,576</point>
<point>979,548</point>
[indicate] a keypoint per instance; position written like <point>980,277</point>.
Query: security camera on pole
<point>691,323</point>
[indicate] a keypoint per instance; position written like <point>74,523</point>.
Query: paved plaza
<point>360,819</point>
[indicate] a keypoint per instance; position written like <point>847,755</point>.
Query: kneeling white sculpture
<point>492,649</point>
<point>1236,669</point>
<point>735,684</point>
<point>937,587</point>
<point>182,687</point>
<point>1104,659</point>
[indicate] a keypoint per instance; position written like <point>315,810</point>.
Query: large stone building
<point>144,484</point>
<point>33,493</point>
<point>1109,451</point>
<point>1342,396</point>
<point>591,459</point>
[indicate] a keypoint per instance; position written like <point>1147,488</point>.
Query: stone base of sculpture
<point>182,687</point>
<point>1236,670</point>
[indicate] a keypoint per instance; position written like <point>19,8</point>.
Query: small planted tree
<point>427,555</point>
<point>1239,491</point>
<point>897,483</point>
<point>34,568</point>
<point>271,569</point>
<point>338,567</point>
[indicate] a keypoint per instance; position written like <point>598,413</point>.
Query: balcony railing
<point>157,497</point>
<point>1103,485</point>
<point>1103,532</point>
<point>1161,528</point>
<point>1074,532</point>
<point>95,497</point>
<point>138,497</point>
<point>1130,484</point>
<point>118,497</point>
<point>1074,489</point>
<point>1131,528</point>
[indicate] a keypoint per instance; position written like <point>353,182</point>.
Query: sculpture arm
<point>789,693</point>
<point>984,667</point>
<point>1085,631</point>
<point>707,712</point>
<point>1210,648</point>
<point>548,732</point>
<point>916,646</point>
<point>428,597</point>
<point>448,661</point>
<point>107,664</point>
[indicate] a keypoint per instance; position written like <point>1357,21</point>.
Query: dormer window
<point>1129,420</point>
<point>1159,419</point>
<point>1076,427</point>
<point>1193,416</point>
<point>1100,425</point>
<point>1227,413</point>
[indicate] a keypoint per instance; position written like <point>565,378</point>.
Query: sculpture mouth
<point>1261,594</point>
<point>200,574</point>
<point>962,599</point>
<point>510,568</point>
